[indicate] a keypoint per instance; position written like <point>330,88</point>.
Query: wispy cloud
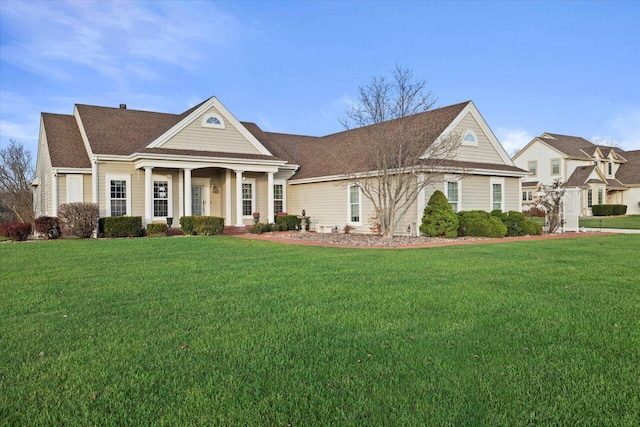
<point>513,139</point>
<point>118,39</point>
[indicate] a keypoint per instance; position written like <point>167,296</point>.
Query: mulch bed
<point>366,241</point>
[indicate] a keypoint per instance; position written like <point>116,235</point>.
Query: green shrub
<point>531,228</point>
<point>49,226</point>
<point>517,224</point>
<point>607,210</point>
<point>122,226</point>
<point>480,224</point>
<point>288,222</point>
<point>186,223</point>
<point>262,227</point>
<point>157,229</point>
<point>439,219</point>
<point>208,225</point>
<point>80,219</point>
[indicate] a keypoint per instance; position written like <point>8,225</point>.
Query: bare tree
<point>16,174</point>
<point>396,150</point>
<point>607,142</point>
<point>551,202</point>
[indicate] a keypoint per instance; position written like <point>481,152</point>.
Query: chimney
<point>123,106</point>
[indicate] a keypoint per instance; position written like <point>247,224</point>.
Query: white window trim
<point>251,181</point>
<point>169,179</point>
<point>282,182</point>
<point>475,138</point>
<point>446,192</point>
<point>69,176</point>
<point>117,177</point>
<point>501,181</point>
<point>349,222</point>
<point>212,125</point>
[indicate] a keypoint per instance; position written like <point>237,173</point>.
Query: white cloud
<point>513,139</point>
<point>117,40</point>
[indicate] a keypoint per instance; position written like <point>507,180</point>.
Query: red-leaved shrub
<point>534,211</point>
<point>16,231</point>
<point>80,219</point>
<point>49,226</point>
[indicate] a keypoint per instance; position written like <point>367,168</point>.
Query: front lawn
<point>631,221</point>
<point>227,331</point>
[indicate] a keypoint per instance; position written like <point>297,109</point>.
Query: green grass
<point>631,221</point>
<point>226,331</point>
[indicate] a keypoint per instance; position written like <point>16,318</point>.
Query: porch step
<point>230,230</point>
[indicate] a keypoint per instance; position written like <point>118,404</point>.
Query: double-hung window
<point>160,199</point>
<point>278,198</point>
<point>247,198</point>
<point>497,193</point>
<point>600,196</point>
<point>589,198</point>
<point>453,194</point>
<point>355,207</point>
<point>533,167</point>
<point>555,166</point>
<point>118,194</point>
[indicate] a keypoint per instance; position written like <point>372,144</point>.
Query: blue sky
<point>531,67</point>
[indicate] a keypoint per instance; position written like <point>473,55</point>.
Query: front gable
<point>211,127</point>
<point>486,148</point>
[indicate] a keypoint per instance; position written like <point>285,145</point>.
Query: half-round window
<point>470,138</point>
<point>212,121</point>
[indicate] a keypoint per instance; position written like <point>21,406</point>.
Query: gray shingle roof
<point>580,176</point>
<point>66,147</point>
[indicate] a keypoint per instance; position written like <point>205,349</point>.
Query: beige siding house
<point>604,175</point>
<point>205,162</point>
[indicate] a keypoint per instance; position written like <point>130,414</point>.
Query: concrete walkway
<point>613,230</point>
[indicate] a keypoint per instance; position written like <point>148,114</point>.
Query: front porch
<point>233,194</point>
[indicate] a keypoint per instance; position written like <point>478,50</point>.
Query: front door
<point>197,199</point>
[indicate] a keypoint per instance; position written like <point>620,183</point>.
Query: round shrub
<point>17,231</point>
<point>439,219</point>
<point>480,224</point>
<point>49,226</point>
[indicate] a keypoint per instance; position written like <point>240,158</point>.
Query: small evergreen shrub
<point>123,226</point>
<point>290,222</point>
<point>157,230</point>
<point>480,224</point>
<point>439,219</point>
<point>16,231</point>
<point>186,223</point>
<point>517,224</point>
<point>262,227</point>
<point>80,219</point>
<point>48,226</point>
<point>607,210</point>
<point>208,225</point>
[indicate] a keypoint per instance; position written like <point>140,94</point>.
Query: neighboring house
<point>205,162</point>
<point>604,175</point>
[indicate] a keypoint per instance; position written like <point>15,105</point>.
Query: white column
<point>148,194</point>
<point>180,197</point>
<point>270,218</point>
<point>187,192</point>
<point>54,188</point>
<point>227,198</point>
<point>239,222</point>
<point>94,182</point>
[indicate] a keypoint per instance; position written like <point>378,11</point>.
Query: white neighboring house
<point>604,175</point>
